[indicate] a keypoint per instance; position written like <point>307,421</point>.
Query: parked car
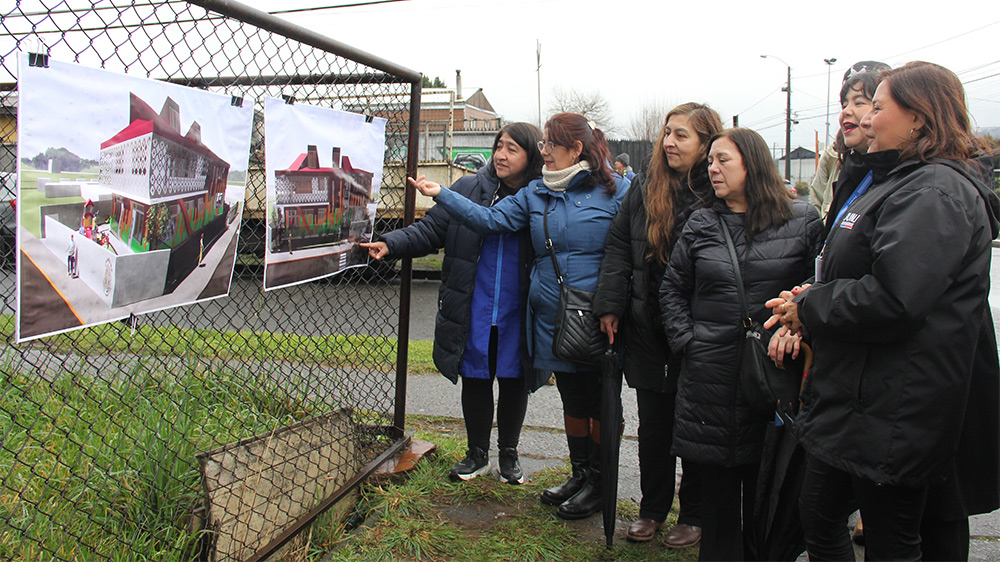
<point>471,160</point>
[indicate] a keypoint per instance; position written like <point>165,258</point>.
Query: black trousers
<point>477,406</point>
<point>892,515</point>
<point>726,508</point>
<point>580,393</point>
<point>657,467</point>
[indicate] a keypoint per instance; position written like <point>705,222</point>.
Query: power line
<point>968,70</point>
<point>980,78</point>
<point>960,35</point>
<point>758,101</point>
<point>318,8</point>
<point>964,33</point>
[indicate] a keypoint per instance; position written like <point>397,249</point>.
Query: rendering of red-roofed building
<point>316,205</point>
<point>168,188</point>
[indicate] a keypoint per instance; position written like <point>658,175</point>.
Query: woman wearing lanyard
<point>905,269</point>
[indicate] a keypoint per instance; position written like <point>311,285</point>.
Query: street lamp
<point>829,67</point>
<point>788,119</point>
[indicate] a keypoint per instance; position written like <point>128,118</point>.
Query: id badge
<point>819,268</point>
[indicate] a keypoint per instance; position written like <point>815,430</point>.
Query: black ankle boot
<point>578,459</point>
<point>587,501</point>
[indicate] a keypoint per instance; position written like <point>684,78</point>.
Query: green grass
<point>429,262</point>
<point>419,517</point>
<point>356,351</point>
<point>97,469</point>
<point>31,198</point>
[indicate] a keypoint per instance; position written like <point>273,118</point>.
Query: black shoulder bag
<point>578,337</point>
<point>768,389</point>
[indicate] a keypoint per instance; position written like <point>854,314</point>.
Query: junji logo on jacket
<point>849,220</point>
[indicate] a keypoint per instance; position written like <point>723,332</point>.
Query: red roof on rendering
<point>144,120</point>
<point>299,165</point>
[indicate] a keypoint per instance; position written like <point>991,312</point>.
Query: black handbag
<point>767,388</point>
<point>578,337</point>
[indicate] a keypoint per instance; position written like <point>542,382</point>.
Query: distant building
<point>803,166</point>
<point>316,205</point>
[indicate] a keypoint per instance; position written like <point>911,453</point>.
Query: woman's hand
<point>785,310</point>
<point>376,250</point>
<point>425,186</point>
<point>783,342</point>
<point>609,325</point>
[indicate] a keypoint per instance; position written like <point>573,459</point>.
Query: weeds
<point>102,469</point>
<point>424,516</point>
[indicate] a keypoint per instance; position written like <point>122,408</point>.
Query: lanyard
<point>858,191</point>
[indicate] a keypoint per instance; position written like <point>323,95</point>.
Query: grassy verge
<point>356,351</point>
<point>424,516</point>
<point>107,470</point>
<point>430,262</point>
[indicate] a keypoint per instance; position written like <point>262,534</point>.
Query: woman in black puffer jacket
<point>896,320</point>
<point>776,239</point>
<point>642,234</point>
<point>479,333</point>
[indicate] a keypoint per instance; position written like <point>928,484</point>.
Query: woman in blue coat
<point>479,333</point>
<point>579,196</point>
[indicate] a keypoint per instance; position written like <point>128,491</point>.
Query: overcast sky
<point>641,52</point>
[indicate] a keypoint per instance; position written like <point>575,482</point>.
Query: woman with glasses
<point>573,205</point>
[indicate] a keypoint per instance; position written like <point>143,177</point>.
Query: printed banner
<point>130,194</point>
<point>324,172</point>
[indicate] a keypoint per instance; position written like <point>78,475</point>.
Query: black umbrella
<point>611,434</point>
<point>777,530</point>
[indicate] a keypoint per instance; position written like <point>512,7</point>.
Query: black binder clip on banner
<point>288,99</point>
<point>38,55</point>
<point>237,101</point>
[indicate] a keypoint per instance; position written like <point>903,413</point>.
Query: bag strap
<point>548,245</point>
<point>740,289</point>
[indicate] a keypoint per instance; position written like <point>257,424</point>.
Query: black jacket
<point>895,323</point>
<point>629,283</point>
<point>458,270</point>
<point>701,314</point>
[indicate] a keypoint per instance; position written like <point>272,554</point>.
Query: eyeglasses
<point>545,146</point>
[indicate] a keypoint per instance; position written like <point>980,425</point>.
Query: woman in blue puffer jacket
<point>579,196</point>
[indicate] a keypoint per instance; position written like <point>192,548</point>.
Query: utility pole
<point>538,69</point>
<point>829,67</point>
<point>788,118</point>
<point>788,128</point>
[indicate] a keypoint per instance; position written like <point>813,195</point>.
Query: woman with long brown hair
<point>775,239</point>
<point>651,218</point>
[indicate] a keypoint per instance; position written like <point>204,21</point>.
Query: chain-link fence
<point>221,429</point>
